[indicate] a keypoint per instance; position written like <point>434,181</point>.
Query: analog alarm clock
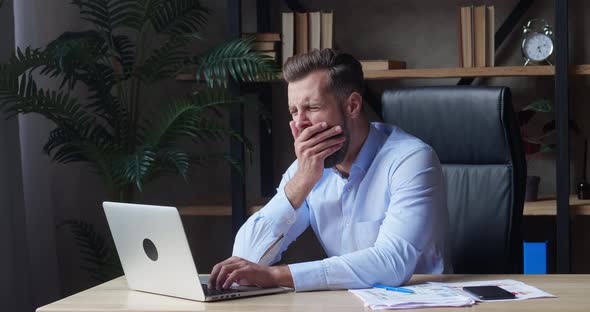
<point>537,42</point>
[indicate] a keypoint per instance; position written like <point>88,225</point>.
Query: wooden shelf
<point>219,209</point>
<point>543,207</point>
<point>503,71</point>
<point>499,71</point>
<point>548,207</point>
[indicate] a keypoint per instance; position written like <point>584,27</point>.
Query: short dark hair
<point>345,72</point>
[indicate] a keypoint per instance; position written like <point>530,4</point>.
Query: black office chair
<point>474,132</point>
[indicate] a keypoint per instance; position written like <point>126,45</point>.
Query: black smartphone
<point>489,292</point>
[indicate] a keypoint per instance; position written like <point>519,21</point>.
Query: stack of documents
<point>440,294</point>
<point>425,295</point>
<point>521,290</point>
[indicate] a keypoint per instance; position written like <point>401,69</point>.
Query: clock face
<point>537,47</point>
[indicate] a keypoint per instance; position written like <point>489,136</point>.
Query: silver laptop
<point>156,257</point>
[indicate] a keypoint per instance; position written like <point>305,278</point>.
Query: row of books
<point>476,36</point>
<point>305,31</point>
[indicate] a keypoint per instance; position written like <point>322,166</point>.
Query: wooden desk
<point>573,293</point>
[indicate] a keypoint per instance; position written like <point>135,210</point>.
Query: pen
<point>391,288</point>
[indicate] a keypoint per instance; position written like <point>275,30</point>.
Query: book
<point>314,29</point>
<point>271,54</point>
<point>288,34</point>
<point>490,36</point>
<point>467,58</point>
<point>264,45</point>
<point>382,64</point>
<point>263,36</point>
<point>479,35</point>
<point>327,30</point>
<point>460,36</point>
<point>301,43</point>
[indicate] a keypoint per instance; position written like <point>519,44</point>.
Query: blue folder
<point>535,257</point>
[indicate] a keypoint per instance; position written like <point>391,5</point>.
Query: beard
<point>338,156</point>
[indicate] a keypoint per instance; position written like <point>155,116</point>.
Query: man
<point>373,194</point>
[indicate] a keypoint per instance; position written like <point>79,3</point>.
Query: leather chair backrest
<point>474,132</point>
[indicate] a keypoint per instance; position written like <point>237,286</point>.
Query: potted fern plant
<point>111,129</point>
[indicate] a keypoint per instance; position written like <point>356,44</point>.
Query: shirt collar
<point>368,151</point>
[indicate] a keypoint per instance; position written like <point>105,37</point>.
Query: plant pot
<point>532,188</point>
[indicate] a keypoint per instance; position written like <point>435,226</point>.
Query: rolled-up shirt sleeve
<point>268,232</point>
<point>413,218</point>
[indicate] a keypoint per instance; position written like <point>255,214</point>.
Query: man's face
<point>310,103</point>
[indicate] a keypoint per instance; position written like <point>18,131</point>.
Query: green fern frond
<point>62,140</point>
<point>148,9</point>
<point>107,15</point>
<point>103,159</point>
<point>185,115</point>
<point>137,166</point>
<point>174,161</point>
<point>75,128</point>
<point>239,60</point>
<point>126,53</point>
<point>177,122</point>
<point>208,130</point>
<point>66,145</point>
<point>27,60</point>
<point>100,258</point>
<point>72,54</point>
<point>180,17</point>
<point>68,153</point>
<point>23,96</point>
<point>165,60</point>
<point>100,81</point>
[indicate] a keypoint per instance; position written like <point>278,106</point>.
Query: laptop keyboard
<point>215,292</point>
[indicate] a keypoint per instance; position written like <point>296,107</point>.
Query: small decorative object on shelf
<point>537,43</point>
<point>583,186</point>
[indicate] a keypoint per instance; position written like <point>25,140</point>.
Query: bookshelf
<point>561,73</point>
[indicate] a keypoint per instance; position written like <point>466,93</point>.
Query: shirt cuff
<point>280,212</point>
<point>309,275</point>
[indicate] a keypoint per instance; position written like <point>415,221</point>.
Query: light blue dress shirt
<point>383,223</point>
